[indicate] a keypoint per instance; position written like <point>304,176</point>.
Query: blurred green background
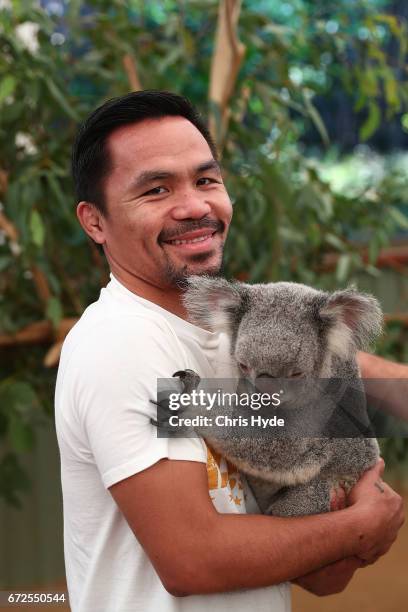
<point>311,118</point>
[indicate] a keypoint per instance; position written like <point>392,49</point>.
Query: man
<point>147,526</point>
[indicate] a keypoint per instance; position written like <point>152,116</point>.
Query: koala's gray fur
<point>284,330</point>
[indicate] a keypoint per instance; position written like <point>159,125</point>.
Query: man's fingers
<point>371,556</point>
<point>365,562</point>
<point>374,475</point>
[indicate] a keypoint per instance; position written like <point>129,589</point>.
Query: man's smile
<point>193,242</point>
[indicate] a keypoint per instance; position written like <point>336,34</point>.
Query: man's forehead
<point>156,137</point>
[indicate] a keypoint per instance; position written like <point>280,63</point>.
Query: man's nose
<point>191,205</point>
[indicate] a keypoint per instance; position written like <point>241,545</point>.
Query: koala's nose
<point>266,382</point>
<point>244,368</point>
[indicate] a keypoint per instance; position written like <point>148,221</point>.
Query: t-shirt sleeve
<point>114,376</point>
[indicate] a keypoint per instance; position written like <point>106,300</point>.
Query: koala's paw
<point>163,413</point>
<point>347,484</point>
<point>189,381</point>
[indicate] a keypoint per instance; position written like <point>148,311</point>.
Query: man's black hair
<point>90,155</point>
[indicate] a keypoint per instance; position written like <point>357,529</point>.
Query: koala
<point>291,331</point>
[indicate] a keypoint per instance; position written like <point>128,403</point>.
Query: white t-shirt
<point>108,372</point>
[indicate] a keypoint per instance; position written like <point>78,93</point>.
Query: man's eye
<point>155,191</point>
<point>206,178</point>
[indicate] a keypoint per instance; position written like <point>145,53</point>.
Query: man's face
<point>168,209</point>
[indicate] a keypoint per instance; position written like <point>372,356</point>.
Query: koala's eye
<point>264,375</point>
<point>296,375</point>
<point>244,368</point>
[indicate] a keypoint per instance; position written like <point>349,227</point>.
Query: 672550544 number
<point>13,598</point>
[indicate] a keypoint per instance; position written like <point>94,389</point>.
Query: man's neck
<point>168,298</point>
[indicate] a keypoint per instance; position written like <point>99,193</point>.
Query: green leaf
<point>373,271</point>
<point>5,262</point>
<point>317,120</point>
<point>18,397</point>
<point>390,20</point>
<point>372,122</point>
<point>335,241</point>
<point>400,219</point>
<point>21,434</point>
<point>55,187</point>
<point>25,398</point>
<point>59,97</point>
<point>7,86</point>
<point>373,251</point>
<point>54,311</point>
<point>17,401</point>
<point>343,268</point>
<point>37,228</point>
<point>291,235</point>
<point>368,82</point>
<point>13,479</point>
<point>391,90</point>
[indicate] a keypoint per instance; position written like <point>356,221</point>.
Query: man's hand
<point>330,579</point>
<point>334,577</point>
<point>383,507</point>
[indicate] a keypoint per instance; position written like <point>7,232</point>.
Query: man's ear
<point>91,220</point>
<point>214,303</point>
<point>354,319</point>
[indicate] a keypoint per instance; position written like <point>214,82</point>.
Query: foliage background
<point>307,68</point>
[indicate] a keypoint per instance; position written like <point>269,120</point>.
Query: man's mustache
<point>190,226</point>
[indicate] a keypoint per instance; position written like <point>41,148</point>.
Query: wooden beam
<point>389,257</point>
<point>226,61</point>
<point>39,332</point>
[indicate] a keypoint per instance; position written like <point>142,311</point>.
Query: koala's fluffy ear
<point>355,320</point>
<point>213,303</point>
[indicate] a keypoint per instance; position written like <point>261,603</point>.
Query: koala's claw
<point>189,379</point>
<point>153,421</point>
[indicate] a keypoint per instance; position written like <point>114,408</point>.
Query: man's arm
<point>394,383</point>
<point>196,550</point>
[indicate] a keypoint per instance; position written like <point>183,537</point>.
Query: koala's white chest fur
<point>281,477</point>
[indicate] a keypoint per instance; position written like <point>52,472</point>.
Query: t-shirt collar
<point>181,325</point>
